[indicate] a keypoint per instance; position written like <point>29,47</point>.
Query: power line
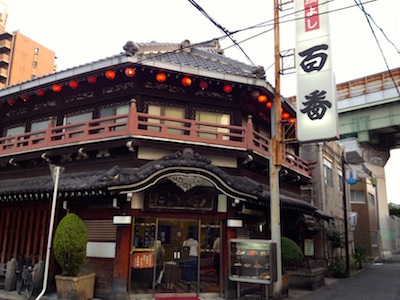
<point>272,21</point>
<point>227,33</point>
<point>368,17</point>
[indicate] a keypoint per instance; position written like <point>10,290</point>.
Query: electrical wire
<point>227,33</point>
<point>369,18</point>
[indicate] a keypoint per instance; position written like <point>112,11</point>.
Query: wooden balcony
<point>144,126</point>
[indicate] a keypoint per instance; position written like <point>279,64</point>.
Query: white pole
<point>53,211</point>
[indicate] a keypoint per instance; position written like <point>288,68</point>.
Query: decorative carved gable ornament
<point>186,182</point>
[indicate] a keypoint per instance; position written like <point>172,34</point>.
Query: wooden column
<point>121,263</point>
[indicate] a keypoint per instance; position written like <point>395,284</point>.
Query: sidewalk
<point>298,293</point>
<point>293,294</point>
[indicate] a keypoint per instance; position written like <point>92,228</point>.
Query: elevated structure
<point>369,110</point>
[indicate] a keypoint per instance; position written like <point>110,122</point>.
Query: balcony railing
<point>145,126</point>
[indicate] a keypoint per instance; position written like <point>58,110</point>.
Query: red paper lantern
<point>92,79</point>
<point>292,120</point>
<point>110,74</point>
<point>40,93</point>
<point>186,81</point>
<point>161,77</point>
<point>25,97</point>
<point>285,115</point>
<point>262,98</point>
<point>268,104</point>
<point>130,72</point>
<point>11,101</point>
<point>56,88</point>
<point>73,84</point>
<point>227,88</point>
<point>203,84</point>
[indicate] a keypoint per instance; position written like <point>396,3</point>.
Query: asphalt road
<point>380,281</point>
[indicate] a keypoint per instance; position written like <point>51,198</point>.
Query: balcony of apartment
<point>5,44</point>
<point>143,126</point>
<point>4,58</point>
<point>3,72</point>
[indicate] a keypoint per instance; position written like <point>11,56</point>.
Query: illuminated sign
<point>317,117</point>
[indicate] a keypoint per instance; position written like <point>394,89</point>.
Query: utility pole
<point>346,226</point>
<point>275,162</point>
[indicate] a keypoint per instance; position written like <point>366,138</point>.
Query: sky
<point>87,30</point>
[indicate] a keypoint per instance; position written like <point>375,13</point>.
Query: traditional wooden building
<point>158,141</point>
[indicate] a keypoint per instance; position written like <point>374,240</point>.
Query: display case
<point>252,261</point>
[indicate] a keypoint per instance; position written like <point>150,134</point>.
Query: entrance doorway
<point>179,257</point>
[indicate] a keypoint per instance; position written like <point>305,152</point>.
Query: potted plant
<point>70,251</point>
<point>360,256</point>
<point>291,254</point>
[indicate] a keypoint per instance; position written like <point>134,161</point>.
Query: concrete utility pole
<point>346,226</point>
<point>275,162</point>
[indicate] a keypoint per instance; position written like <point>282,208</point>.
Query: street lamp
<point>56,171</point>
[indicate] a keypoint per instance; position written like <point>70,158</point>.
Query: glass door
<point>179,239</point>
<point>176,256</point>
<point>210,262</point>
<point>165,257</point>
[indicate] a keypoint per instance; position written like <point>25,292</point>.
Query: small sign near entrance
<point>309,247</point>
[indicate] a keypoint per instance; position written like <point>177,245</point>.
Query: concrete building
<point>21,58</point>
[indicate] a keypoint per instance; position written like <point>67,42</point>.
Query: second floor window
<point>77,130</point>
<point>371,199</point>
<point>166,111</point>
<point>328,172</point>
<point>340,179</point>
<point>357,196</point>
<point>15,131</point>
<point>214,118</point>
<point>114,112</point>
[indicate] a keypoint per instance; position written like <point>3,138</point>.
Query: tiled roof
<point>131,178</point>
<point>207,56</point>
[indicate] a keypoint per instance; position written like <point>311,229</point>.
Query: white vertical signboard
<point>317,117</point>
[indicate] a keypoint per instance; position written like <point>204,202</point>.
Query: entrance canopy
<point>122,180</point>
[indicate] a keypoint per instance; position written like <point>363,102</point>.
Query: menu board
<point>143,260</point>
<point>252,261</point>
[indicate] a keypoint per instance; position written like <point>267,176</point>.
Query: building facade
<point>162,142</point>
<point>22,59</point>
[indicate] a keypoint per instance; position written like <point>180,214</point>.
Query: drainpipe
<point>322,176</point>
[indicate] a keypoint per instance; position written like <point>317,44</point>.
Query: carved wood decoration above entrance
<point>186,182</point>
<point>168,196</point>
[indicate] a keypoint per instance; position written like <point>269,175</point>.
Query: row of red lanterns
<point>111,74</point>
<point>261,98</point>
<point>160,77</point>
<point>56,88</point>
<point>187,81</point>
